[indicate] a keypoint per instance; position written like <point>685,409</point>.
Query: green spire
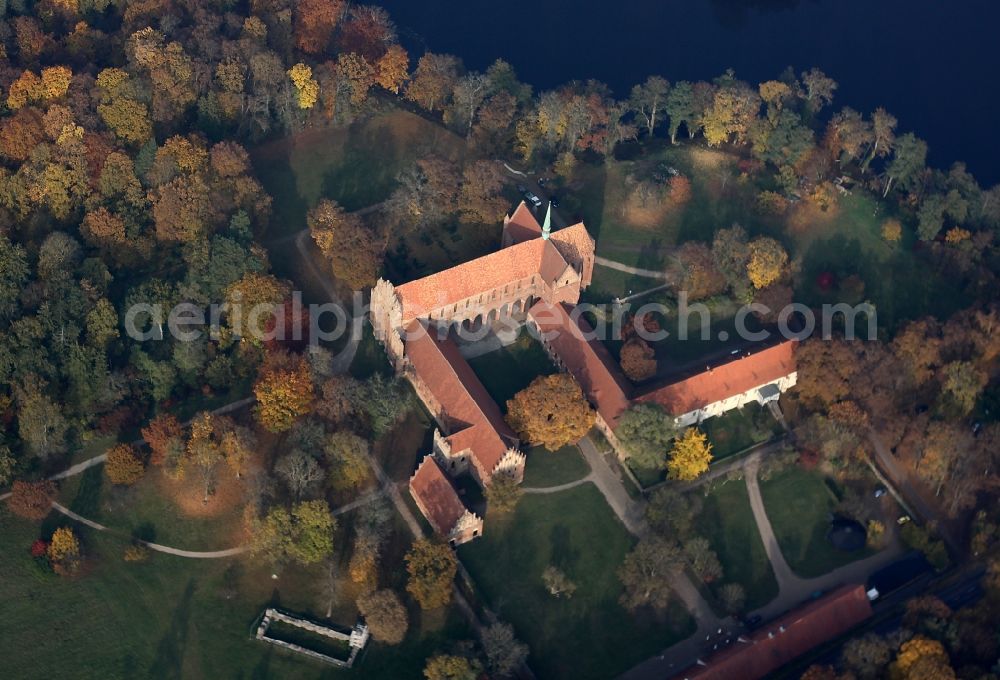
<point>547,225</point>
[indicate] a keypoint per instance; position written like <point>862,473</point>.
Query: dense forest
<point>125,178</point>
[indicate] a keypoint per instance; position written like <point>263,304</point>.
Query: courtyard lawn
<point>799,504</point>
<point>728,523</point>
<point>740,429</point>
<point>647,476</point>
<point>173,617</point>
<point>552,468</point>
<point>589,635</point>
<point>510,369</point>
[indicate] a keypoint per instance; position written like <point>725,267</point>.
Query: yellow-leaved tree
<point>551,412</point>
<point>64,551</point>
<point>690,456</point>
<point>284,391</point>
<point>767,262</point>
<point>922,659</point>
<point>305,85</point>
<point>123,466</point>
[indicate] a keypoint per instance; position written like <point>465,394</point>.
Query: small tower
<point>547,225</point>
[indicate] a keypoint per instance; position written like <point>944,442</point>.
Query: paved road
<point>912,493</point>
<point>194,554</point>
<point>607,481</point>
<point>560,487</point>
<point>342,362</point>
<point>793,589</point>
<point>628,269</point>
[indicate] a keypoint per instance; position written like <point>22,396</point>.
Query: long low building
<point>779,642</point>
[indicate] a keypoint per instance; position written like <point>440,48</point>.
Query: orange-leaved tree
<point>31,500</point>
<point>284,391</point>
<point>123,466</point>
<point>165,438</point>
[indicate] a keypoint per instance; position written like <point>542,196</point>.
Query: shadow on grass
<point>87,501</point>
<point>169,661</point>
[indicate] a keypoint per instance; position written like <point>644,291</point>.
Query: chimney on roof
<point>547,225</point>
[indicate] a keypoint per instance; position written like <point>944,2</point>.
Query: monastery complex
<point>537,275</point>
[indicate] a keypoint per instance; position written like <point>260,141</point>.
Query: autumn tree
<point>892,230</point>
<point>767,261</point>
<point>645,432</point>
<point>31,500</point>
<point>922,659</point>
<point>693,270</point>
<point>392,69</point>
<point>503,492</point>
<point>306,87</point>
<point>551,412</point>
<point>450,667</point>
<point>385,616</point>
<point>165,438</point>
<point>638,359</point>
<point>314,21</point>
<point>817,89</point>
<point>433,80</point>
<point>354,251</point>
<point>431,567</point>
<point>64,551</point>
<point>690,455</point>
<point>202,454</point>
<point>647,572</point>
<point>284,391</point>
<point>481,199</point>
<point>123,466</point>
<point>504,652</point>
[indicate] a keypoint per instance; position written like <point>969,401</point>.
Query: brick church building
<point>538,274</point>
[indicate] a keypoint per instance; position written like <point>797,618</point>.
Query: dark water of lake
<point>934,64</point>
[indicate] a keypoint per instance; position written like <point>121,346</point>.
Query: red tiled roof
<point>770,648</point>
<point>574,243</point>
<point>585,358</point>
<point>482,275</point>
<point>522,225</point>
<point>471,414</point>
<point>727,380</point>
<point>436,496</point>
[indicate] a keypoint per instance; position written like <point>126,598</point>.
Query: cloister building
<point>537,274</point>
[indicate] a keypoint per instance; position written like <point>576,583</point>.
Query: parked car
<point>880,491</point>
<point>534,200</point>
<point>554,200</point>
<point>903,519</point>
<point>521,189</point>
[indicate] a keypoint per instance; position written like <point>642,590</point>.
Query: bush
<point>136,553</point>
